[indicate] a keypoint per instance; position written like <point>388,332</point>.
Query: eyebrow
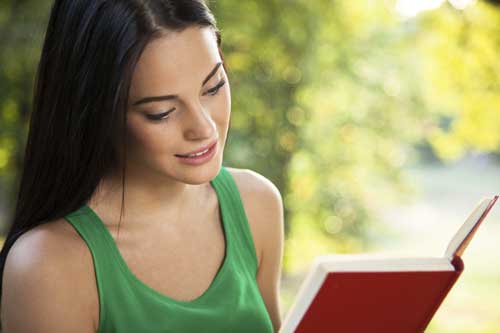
<point>167,97</point>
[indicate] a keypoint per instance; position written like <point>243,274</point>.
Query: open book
<point>368,293</point>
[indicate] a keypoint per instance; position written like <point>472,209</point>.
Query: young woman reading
<point>126,218</point>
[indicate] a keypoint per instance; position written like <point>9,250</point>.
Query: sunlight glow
<point>410,8</point>
<point>461,4</point>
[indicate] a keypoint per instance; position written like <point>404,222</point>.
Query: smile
<point>200,157</point>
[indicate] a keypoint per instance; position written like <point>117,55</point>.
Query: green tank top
<point>232,302</point>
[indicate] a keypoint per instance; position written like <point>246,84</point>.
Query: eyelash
<point>213,91</point>
<point>164,116</point>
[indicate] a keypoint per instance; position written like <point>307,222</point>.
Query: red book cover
<point>372,293</point>
<point>378,301</point>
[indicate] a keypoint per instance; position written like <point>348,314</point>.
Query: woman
<point>115,230</point>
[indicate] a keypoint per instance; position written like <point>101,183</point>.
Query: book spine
<point>459,267</point>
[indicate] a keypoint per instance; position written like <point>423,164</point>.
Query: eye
<point>159,116</point>
<point>215,90</point>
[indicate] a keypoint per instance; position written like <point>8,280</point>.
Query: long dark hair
<point>77,128</point>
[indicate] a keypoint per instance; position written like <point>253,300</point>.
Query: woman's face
<point>186,64</point>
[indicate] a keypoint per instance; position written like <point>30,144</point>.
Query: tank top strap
<point>239,228</point>
<point>91,231</point>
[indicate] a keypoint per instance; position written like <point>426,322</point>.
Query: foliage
<point>462,75</point>
<point>21,23</point>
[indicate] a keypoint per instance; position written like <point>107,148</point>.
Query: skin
<point>170,234</point>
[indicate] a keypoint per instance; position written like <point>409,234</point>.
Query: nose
<point>199,123</point>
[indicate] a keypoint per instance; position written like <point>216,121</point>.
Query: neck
<point>148,200</point>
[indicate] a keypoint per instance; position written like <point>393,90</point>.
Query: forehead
<point>177,60</point>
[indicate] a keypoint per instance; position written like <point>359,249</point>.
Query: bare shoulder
<point>263,204</point>
<point>41,271</point>
<point>44,246</point>
<point>252,181</point>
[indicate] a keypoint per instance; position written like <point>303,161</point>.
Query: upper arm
<point>40,292</point>
<point>265,210</point>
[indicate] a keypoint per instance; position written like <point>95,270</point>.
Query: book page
<point>463,236</point>
<point>383,263</point>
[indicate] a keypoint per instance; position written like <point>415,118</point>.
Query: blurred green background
<point>379,121</point>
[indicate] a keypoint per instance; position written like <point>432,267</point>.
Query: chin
<point>201,174</point>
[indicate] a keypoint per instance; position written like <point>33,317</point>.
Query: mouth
<point>199,152</point>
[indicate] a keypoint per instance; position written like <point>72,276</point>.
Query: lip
<point>199,160</point>
<point>201,149</point>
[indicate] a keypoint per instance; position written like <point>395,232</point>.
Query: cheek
<point>146,139</point>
